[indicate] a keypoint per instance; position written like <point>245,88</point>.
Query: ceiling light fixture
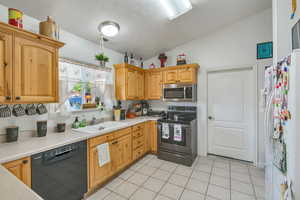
<point>109,28</point>
<point>175,8</point>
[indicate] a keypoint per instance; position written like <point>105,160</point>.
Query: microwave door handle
<point>184,92</point>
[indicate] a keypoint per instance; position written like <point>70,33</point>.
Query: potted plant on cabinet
<point>102,59</point>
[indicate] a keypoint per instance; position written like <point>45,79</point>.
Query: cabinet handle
<point>115,142</point>
<point>5,64</point>
<point>25,161</point>
<point>8,97</point>
<point>18,98</point>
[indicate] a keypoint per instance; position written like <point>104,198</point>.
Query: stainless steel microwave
<point>180,92</point>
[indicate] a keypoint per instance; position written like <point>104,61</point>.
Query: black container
<point>12,133</point>
<point>123,114</point>
<point>41,128</point>
<point>61,127</point>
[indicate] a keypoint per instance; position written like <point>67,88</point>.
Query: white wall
<point>76,48</point>
<point>234,45</point>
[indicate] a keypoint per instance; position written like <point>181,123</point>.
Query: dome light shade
<point>109,28</point>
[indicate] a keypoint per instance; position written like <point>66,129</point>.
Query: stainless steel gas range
<point>177,135</point>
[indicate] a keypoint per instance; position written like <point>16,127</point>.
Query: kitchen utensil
<point>117,114</point>
<point>41,109</point>
<point>15,17</point>
<point>61,127</point>
<point>5,111</point>
<point>30,109</point>
<point>41,128</point>
<point>18,110</point>
<point>130,115</point>
<point>12,133</point>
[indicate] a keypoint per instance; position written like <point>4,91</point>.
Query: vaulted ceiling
<point>145,28</point>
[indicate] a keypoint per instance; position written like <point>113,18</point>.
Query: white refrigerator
<point>290,130</point>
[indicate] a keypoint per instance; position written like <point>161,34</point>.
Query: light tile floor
<point>210,178</point>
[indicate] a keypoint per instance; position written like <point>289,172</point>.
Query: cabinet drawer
<point>138,127</point>
<point>137,134</point>
<point>137,142</point>
<point>138,152</point>
<point>101,139</point>
<point>122,132</point>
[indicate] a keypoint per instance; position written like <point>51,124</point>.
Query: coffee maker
<point>145,108</point>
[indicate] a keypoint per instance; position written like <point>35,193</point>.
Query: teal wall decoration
<point>264,50</point>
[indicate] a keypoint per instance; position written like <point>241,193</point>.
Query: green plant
<point>88,87</point>
<point>102,57</point>
<point>77,87</point>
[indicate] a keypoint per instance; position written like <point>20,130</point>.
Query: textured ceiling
<point>145,28</point>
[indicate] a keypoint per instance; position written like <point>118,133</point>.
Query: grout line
<point>253,188</point>
<point>230,179</point>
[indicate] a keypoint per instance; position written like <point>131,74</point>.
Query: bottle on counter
<point>76,123</point>
<point>131,59</point>
<point>141,62</point>
<point>126,58</point>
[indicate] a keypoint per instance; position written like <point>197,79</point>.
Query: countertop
<point>13,189</point>
<point>33,145</point>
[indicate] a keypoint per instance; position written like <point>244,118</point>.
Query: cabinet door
<point>5,67</point>
<point>35,71</point>
<point>187,75</point>
<point>154,85</point>
<point>21,169</point>
<point>97,174</point>
<point>121,153</point>
<point>153,128</point>
<point>140,85</point>
<point>131,84</point>
<point>147,136</point>
<point>170,76</point>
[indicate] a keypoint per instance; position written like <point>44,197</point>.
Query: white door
<point>231,111</point>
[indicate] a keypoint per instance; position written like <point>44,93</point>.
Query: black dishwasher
<point>61,173</point>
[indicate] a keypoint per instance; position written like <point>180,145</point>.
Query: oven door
<point>175,141</point>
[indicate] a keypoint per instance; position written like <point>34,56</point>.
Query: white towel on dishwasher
<point>165,131</point>
<point>177,133</point>
<point>103,154</point>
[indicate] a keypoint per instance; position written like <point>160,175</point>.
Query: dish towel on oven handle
<point>177,133</point>
<point>103,154</point>
<point>165,131</point>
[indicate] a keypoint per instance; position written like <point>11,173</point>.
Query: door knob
<point>210,118</point>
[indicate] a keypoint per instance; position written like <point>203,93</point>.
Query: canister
<point>15,17</point>
<point>12,133</point>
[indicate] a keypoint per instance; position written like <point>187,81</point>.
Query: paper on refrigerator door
<point>103,154</point>
<point>177,133</point>
<point>165,131</point>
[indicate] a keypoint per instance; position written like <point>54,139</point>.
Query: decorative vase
<point>102,63</point>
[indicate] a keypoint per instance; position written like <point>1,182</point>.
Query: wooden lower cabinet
<point>21,169</point>
<point>153,135</point>
<point>125,146</point>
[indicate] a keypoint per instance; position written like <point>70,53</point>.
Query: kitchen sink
<point>100,127</point>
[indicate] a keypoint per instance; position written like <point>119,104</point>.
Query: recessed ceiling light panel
<point>175,8</point>
<point>109,28</point>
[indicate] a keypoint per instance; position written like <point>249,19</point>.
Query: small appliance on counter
<point>145,108</point>
<point>177,135</point>
<point>156,113</point>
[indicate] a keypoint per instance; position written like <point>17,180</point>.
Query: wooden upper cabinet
<point>29,66</point>
<point>187,75</point>
<point>21,169</point>
<point>129,82</point>
<point>170,76</point>
<point>140,85</point>
<point>184,74</point>
<point>134,83</point>
<point>131,85</point>
<point>6,53</point>
<point>36,71</point>
<point>154,85</point>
